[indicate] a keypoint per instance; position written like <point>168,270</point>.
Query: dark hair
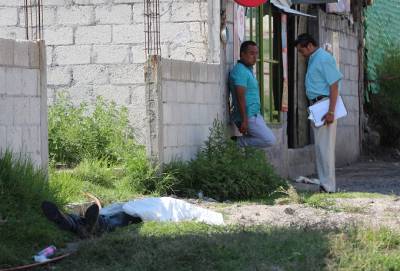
<point>246,44</point>
<point>304,40</point>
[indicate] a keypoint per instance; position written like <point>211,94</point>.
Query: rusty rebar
<point>33,19</point>
<point>152,27</point>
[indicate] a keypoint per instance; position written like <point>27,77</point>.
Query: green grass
<point>108,184</point>
<point>366,250</point>
<point>327,201</point>
<point>191,246</point>
<point>318,200</point>
<point>173,246</point>
<point>24,230</point>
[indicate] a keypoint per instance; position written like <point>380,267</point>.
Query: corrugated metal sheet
<point>313,1</point>
<point>285,6</point>
<point>382,29</point>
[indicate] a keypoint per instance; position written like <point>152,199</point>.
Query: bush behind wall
<point>385,105</point>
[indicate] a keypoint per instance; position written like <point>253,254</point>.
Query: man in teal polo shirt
<point>245,92</point>
<point>322,82</point>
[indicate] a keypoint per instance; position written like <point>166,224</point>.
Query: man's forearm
<point>240,93</point>
<point>242,107</point>
<point>334,93</point>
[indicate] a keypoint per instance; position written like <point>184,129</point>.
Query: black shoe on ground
<point>52,213</point>
<point>323,190</point>
<point>91,217</point>
<point>132,219</point>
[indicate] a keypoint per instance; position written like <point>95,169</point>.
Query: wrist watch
<point>331,113</point>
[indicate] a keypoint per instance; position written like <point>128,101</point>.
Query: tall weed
<point>98,147</point>
<point>79,132</point>
<point>96,172</point>
<point>221,170</point>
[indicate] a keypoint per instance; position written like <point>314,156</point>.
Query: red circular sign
<point>250,3</point>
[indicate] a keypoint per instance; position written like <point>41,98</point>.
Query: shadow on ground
<point>370,176</point>
<point>175,247</point>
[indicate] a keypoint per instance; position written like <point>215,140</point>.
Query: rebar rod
<point>34,19</point>
<point>152,27</point>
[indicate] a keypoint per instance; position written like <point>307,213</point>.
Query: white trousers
<point>325,140</point>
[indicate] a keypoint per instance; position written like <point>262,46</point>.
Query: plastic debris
<point>302,179</point>
<point>43,255</point>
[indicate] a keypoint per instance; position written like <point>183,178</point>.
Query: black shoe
<point>134,219</point>
<point>91,217</point>
<point>52,213</point>
<point>323,190</point>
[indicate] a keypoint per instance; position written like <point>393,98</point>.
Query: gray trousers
<point>325,141</point>
<point>259,134</point>
<point>105,223</point>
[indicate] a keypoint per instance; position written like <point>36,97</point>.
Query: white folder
<point>318,110</point>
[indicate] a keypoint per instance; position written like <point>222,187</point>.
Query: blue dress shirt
<point>322,72</point>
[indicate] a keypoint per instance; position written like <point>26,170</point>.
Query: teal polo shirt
<point>243,76</point>
<point>322,72</point>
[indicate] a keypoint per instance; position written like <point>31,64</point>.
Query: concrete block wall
<point>191,100</point>
<point>23,101</point>
<point>229,49</point>
<point>96,47</point>
<point>348,145</point>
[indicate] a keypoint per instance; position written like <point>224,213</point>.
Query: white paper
<point>318,110</point>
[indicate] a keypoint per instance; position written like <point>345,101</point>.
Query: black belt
<point>313,101</point>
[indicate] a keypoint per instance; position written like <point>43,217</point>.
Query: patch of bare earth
<point>339,214</point>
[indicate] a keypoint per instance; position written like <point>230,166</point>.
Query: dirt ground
<point>368,175</point>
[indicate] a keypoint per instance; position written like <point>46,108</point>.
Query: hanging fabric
<point>285,88</point>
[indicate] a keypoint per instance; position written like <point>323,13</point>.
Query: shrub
<point>76,133</point>
<point>385,105</point>
<point>145,177</point>
<point>98,144</point>
<point>221,170</point>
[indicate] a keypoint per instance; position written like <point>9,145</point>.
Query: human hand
<point>328,118</point>
<point>243,127</point>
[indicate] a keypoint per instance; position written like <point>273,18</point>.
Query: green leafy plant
<point>78,132</point>
<point>144,176</point>
<point>221,170</point>
<point>98,148</point>
<point>385,105</point>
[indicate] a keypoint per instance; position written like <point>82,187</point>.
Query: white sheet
<point>165,209</point>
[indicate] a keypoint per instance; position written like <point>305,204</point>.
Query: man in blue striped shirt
<point>322,82</point>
